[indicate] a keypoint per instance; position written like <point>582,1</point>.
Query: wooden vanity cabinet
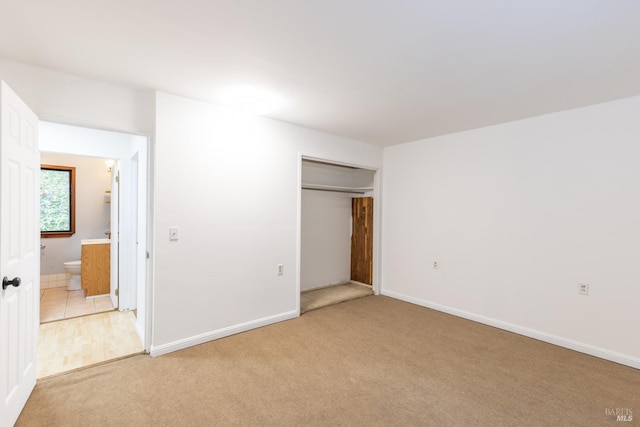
<point>95,268</point>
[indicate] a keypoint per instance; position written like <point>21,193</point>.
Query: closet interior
<point>336,233</point>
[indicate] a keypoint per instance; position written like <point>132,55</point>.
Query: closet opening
<point>336,233</point>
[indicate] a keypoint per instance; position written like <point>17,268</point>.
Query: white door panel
<point>19,253</point>
<point>115,235</point>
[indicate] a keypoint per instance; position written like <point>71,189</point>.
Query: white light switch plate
<point>173,233</point>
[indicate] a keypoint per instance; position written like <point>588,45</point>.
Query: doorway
<point>336,233</point>
<point>64,292</point>
<point>125,196</point>
<point>362,240</point>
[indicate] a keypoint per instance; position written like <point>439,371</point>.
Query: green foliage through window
<point>57,201</point>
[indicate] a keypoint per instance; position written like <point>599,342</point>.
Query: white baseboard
<point>612,356</point>
<point>220,333</point>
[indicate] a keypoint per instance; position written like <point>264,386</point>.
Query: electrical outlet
<point>435,265</point>
<point>583,288</point>
<point>280,269</point>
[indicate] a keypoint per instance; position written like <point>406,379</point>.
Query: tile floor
<point>54,280</point>
<point>59,303</point>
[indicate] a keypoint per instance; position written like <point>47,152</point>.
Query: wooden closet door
<point>362,240</point>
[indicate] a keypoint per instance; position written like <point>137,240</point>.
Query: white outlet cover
<point>583,288</point>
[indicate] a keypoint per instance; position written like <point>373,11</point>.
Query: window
<point>57,201</point>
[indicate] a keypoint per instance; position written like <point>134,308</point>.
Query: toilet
<point>73,268</point>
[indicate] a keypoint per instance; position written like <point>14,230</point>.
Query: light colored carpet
<point>372,361</point>
<point>324,297</point>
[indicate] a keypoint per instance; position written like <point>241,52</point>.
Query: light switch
<point>173,233</point>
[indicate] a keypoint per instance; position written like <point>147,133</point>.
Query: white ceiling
<point>382,71</point>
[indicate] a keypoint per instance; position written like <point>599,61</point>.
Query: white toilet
<point>73,268</point>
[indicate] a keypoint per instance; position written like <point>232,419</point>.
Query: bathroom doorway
<point>88,212</point>
<point>124,195</point>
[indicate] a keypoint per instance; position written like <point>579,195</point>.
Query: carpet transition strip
<point>324,297</point>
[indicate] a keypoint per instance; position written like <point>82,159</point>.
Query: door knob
<point>6,282</point>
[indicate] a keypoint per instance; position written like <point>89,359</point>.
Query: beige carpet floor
<point>372,361</point>
<point>330,295</point>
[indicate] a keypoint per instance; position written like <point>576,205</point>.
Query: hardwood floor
<point>83,341</point>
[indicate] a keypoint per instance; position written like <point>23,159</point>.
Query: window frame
<point>72,202</point>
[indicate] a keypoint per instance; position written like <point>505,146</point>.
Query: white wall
<point>65,98</point>
<point>92,213</point>
<point>231,185</point>
<point>326,239</point>
<point>516,215</point>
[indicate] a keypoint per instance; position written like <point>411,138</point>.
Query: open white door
<point>19,253</point>
<point>115,234</point>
